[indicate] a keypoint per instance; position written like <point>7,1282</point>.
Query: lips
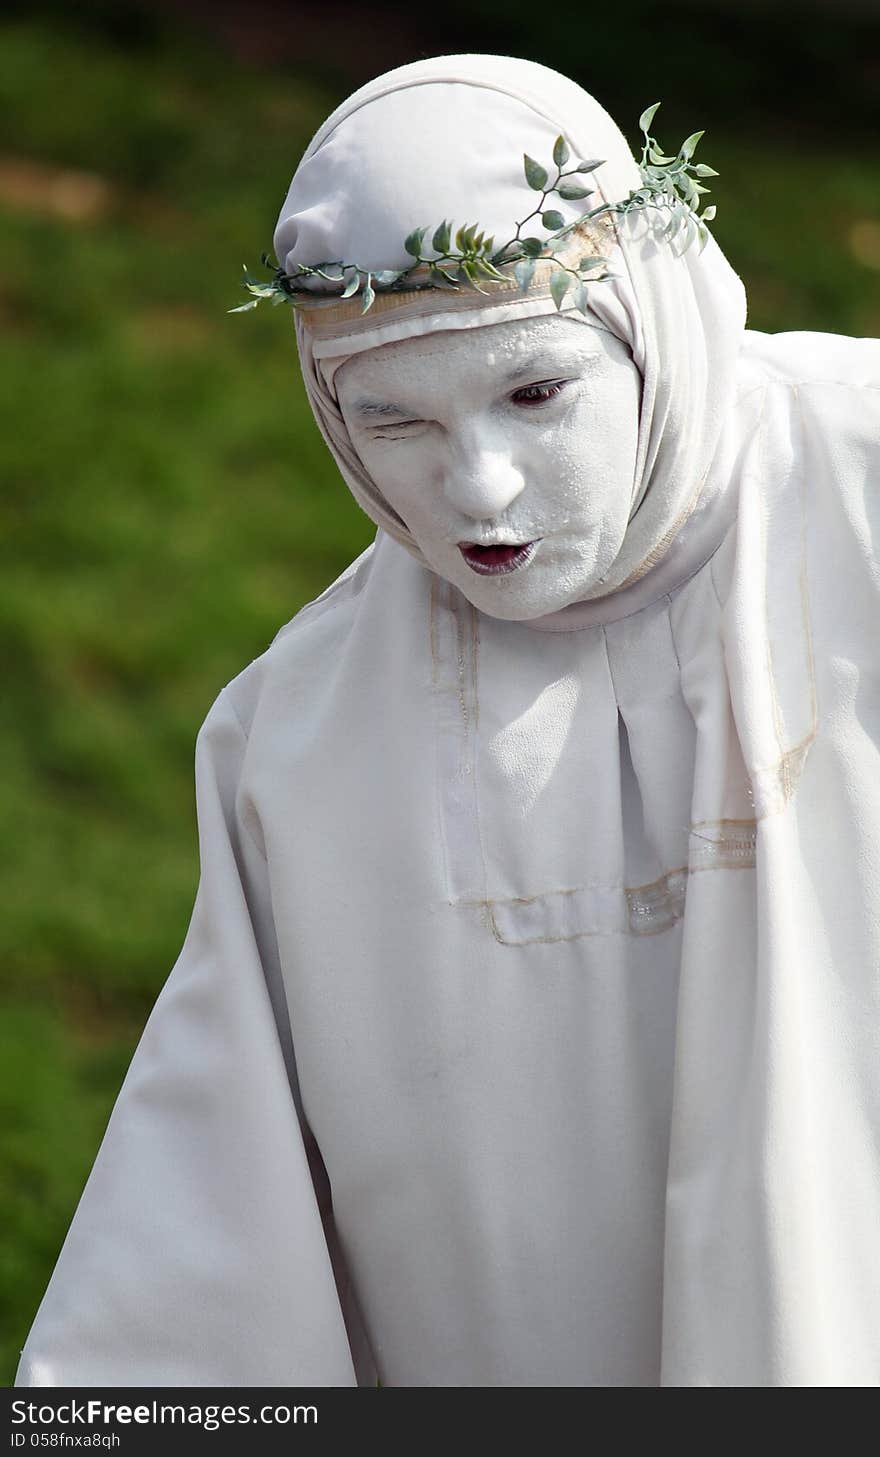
<point>491,561</point>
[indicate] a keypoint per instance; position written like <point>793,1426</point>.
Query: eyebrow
<point>369,409</point>
<point>552,363</point>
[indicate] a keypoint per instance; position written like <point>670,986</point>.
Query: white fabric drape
<point>526,1031</point>
<point>200,1229</point>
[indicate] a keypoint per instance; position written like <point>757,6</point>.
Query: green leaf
<point>704,235</point>
<point>690,232</point>
<point>487,269</point>
<point>572,191</point>
<point>369,295</point>
<point>659,158</point>
<point>647,117</point>
<point>442,237</point>
<point>589,166</point>
<point>523,273</point>
<point>579,298</point>
<point>709,212</point>
<point>688,146</point>
<point>413,243</point>
<point>553,220</point>
<point>532,247</point>
<point>674,224</point>
<point>439,278</point>
<point>560,283</point>
<point>243,308</point>
<point>561,153</point>
<point>470,275</point>
<point>536,175</point>
<point>352,285</point>
<point>590,260</point>
<point>703,171</point>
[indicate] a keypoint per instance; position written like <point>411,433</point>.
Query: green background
<point>167,503</point>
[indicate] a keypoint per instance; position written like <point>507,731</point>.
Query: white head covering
<point>444,138</point>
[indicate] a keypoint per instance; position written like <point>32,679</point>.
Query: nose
<point>481,480</point>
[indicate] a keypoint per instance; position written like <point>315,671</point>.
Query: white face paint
<point>501,436</point>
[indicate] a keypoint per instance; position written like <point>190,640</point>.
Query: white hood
<point>444,138</point>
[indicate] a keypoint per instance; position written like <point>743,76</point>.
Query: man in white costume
<point>526,1028</point>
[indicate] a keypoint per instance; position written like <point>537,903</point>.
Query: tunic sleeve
<point>198,1254</point>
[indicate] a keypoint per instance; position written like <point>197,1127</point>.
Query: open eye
<point>538,394</point>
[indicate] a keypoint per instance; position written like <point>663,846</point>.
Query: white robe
<point>552,957</point>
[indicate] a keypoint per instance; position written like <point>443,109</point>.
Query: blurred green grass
<point>167,504</point>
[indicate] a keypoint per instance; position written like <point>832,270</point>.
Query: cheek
<point>604,451</point>
<point>588,463</point>
<point>403,471</point>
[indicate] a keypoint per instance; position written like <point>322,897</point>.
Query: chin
<point>519,606</point>
<point>516,598</point>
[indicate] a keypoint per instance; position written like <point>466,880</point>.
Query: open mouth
<point>492,561</point>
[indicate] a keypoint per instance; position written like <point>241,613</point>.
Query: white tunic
<point>553,957</point>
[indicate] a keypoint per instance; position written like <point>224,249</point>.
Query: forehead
<point>499,350</point>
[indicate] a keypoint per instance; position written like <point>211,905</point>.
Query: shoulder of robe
<point>807,357</point>
<point>300,649</point>
<point>813,472</point>
<point>819,432</point>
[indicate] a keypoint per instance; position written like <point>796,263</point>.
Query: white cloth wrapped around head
<point>444,138</point>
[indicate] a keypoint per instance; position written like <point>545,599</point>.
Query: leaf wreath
<point>468,256</point>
